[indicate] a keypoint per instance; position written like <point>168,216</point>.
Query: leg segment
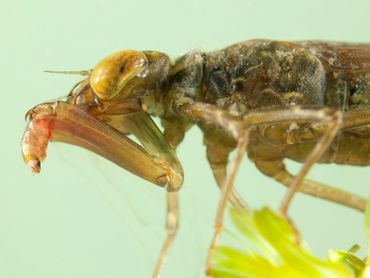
<point>174,131</point>
<point>217,155</point>
<point>239,128</point>
<point>225,193</point>
<point>236,127</point>
<point>172,225</point>
<point>277,170</point>
<point>322,145</point>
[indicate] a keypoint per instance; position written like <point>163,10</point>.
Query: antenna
<point>80,72</point>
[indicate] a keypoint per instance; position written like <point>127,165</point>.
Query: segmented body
<point>257,74</point>
<point>307,101</point>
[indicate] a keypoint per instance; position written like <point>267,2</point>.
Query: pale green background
<point>83,216</point>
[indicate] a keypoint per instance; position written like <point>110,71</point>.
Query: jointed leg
<point>220,175</point>
<point>236,127</point>
<point>174,131</point>
<point>217,155</point>
<point>225,193</point>
<point>211,114</point>
<point>277,170</point>
<point>172,225</point>
<point>319,149</point>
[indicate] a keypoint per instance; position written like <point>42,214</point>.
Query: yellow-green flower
<point>273,249</point>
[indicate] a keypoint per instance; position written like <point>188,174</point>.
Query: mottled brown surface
<point>247,77</point>
<point>217,90</point>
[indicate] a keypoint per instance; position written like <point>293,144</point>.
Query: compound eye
<point>111,75</point>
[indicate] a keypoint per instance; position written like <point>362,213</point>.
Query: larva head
<point>111,75</point>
